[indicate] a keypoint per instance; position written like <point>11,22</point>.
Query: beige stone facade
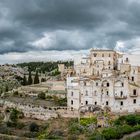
<point>107,79</point>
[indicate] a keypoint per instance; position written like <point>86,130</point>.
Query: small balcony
<point>119,97</point>
<point>133,95</point>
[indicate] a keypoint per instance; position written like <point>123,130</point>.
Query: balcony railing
<point>73,87</point>
<point>117,97</point>
<point>133,95</point>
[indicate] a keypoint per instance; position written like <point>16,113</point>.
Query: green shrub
<point>88,121</point>
<point>76,129</point>
<point>10,124</point>
<point>15,93</point>
<point>14,115</point>
<point>110,133</point>
<point>34,127</point>
<point>42,95</point>
<point>131,120</point>
<point>126,129</point>
<point>97,137</point>
<point>128,119</point>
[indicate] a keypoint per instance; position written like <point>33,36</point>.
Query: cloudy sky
<point>32,30</point>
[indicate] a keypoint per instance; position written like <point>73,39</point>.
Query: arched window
<point>106,102</point>
<point>134,101</point>
<point>134,92</point>
<point>71,102</point>
<point>86,102</point>
<point>107,84</point>
<point>121,103</point>
<point>107,93</point>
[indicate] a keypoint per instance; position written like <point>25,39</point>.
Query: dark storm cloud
<point>67,24</point>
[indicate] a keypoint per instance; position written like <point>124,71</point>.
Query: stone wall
<point>39,112</point>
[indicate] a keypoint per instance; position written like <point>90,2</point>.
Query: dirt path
<point>134,134</point>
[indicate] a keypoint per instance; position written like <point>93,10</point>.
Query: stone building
<point>105,78</point>
<point>65,71</point>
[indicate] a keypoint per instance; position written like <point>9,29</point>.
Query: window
<point>127,59</point>
<point>107,84</point>
<point>134,92</point>
<point>95,54</point>
<point>95,103</point>
<point>71,102</point>
<point>72,93</point>
<point>102,55</point>
<point>107,93</point>
<point>96,84</point>
<point>121,93</point>
<point>134,101</point>
<point>132,78</point>
<point>106,102</point>
<point>86,102</point>
<point>84,83</point>
<point>122,84</point>
<point>121,103</point>
<point>109,55</point>
<point>109,62</point>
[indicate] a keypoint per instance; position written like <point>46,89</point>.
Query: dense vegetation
<point>71,129</point>
<point>123,125</point>
<point>85,129</point>
<point>6,85</point>
<point>43,67</point>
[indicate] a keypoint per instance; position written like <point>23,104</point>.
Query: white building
<point>107,79</point>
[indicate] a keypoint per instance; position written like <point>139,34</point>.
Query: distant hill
<point>43,67</point>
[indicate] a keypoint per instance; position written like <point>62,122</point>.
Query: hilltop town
<point>71,100</point>
<point>106,79</point>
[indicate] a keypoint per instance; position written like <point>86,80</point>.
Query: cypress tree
<point>36,78</point>
<point>6,88</point>
<point>30,80</point>
<point>24,81</point>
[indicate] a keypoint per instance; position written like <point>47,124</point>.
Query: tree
<point>34,127</point>
<point>14,115</point>
<point>30,80</point>
<point>6,88</point>
<point>41,95</point>
<point>36,78</point>
<point>24,81</point>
